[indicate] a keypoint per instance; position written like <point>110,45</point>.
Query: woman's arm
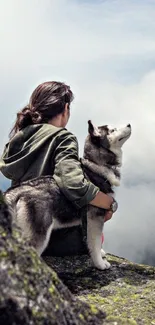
<point>102,200</point>
<point>70,178</point>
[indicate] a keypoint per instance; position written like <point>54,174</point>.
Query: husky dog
<point>40,206</point>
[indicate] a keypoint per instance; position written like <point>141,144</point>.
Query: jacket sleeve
<point>68,172</point>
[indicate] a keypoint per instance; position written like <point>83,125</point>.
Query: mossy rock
<point>71,290</point>
<point>126,292</point>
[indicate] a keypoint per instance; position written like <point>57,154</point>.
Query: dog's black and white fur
<point>40,207</point>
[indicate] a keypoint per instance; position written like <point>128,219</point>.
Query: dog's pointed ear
<point>93,130</point>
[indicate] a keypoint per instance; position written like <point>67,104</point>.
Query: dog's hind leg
<point>42,241</point>
<point>94,232</point>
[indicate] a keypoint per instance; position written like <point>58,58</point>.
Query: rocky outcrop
<point>71,291</point>
<point>30,292</point>
<point>126,292</point>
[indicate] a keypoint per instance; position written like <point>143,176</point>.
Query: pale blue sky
<point>106,51</point>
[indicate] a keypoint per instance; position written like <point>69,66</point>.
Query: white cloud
<point>105,50</point>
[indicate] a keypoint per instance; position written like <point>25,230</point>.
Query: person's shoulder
<point>64,133</point>
<point>60,134</point>
<point>49,128</point>
<point>55,129</point>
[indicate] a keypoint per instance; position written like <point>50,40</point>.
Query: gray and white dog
<point>39,206</point>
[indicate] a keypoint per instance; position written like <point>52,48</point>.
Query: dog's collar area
<point>87,164</point>
<point>87,169</point>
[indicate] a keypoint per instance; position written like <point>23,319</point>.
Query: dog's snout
<point>129,125</point>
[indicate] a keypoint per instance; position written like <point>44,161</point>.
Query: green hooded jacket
<point>44,149</point>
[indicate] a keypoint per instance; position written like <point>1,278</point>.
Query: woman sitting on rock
<point>41,145</point>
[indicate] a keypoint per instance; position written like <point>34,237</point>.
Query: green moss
<point>124,302</point>
<point>120,320</point>
<point>78,271</point>
<point>55,278</point>
<point>51,289</point>
<point>81,316</point>
<point>36,313</point>
<point>94,309</point>
<point>3,253</point>
<point>3,234</point>
<point>57,307</point>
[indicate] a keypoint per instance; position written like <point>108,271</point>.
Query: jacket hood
<point>22,149</point>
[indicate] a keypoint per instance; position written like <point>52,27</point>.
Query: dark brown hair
<point>47,101</point>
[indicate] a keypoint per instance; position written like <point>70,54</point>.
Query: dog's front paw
<point>104,265</point>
